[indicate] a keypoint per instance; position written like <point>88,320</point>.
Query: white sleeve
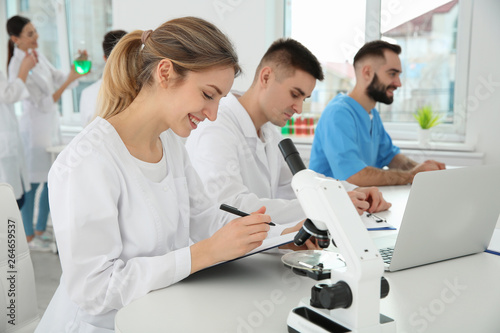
<point>85,199</point>
<point>59,77</point>
<point>206,216</point>
<point>13,69</point>
<point>221,175</point>
<point>11,92</point>
<point>38,93</point>
<point>348,186</point>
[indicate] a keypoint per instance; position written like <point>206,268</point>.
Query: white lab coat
<point>39,122</point>
<point>241,169</point>
<point>88,102</point>
<point>12,163</point>
<point>119,234</point>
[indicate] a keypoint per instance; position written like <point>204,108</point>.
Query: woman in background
<point>39,122</point>
<point>12,163</point>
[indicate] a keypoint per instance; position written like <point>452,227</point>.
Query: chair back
<point>17,280</point>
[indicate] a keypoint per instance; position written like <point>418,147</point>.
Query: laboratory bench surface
<point>256,294</point>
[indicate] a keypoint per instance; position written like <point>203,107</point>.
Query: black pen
<point>235,211</point>
<point>377,218</point>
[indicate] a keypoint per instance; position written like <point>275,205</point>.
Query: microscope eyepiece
<point>295,163</point>
<point>291,155</point>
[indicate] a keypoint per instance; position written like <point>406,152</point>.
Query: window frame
<point>446,136</point>
<point>455,132</point>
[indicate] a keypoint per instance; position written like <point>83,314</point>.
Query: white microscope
<point>347,299</point>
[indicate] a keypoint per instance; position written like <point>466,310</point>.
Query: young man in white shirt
<point>237,156</point>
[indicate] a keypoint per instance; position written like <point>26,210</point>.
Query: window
<point>43,16</point>
<point>63,26</point>
<point>434,58</point>
<point>333,31</point>
<point>87,21</point>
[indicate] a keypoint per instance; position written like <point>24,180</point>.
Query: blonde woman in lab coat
<point>129,211</point>
<point>39,122</point>
<point>12,164</point>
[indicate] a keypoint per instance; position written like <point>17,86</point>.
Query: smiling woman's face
<point>197,98</point>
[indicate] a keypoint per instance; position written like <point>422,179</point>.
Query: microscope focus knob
<point>301,237</point>
<point>331,296</point>
<point>309,229</point>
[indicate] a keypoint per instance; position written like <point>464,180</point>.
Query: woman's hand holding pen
<point>233,240</point>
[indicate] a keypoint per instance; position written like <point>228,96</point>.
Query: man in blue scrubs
<point>350,142</point>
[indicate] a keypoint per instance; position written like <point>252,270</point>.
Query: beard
<point>378,92</point>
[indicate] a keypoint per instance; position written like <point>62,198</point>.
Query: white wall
<point>483,98</point>
<point>250,24</point>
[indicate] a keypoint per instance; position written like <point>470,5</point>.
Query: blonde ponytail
<point>192,44</point>
<point>119,85</point>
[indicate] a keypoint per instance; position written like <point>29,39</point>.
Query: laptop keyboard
<point>386,254</point>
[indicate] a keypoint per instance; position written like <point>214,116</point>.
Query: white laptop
<point>449,213</point>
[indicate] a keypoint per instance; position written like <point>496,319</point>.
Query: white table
<point>255,294</point>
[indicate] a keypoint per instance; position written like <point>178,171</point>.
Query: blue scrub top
<point>347,140</point>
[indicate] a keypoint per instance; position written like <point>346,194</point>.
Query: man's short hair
<point>110,40</point>
<point>375,49</point>
<point>287,55</point>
